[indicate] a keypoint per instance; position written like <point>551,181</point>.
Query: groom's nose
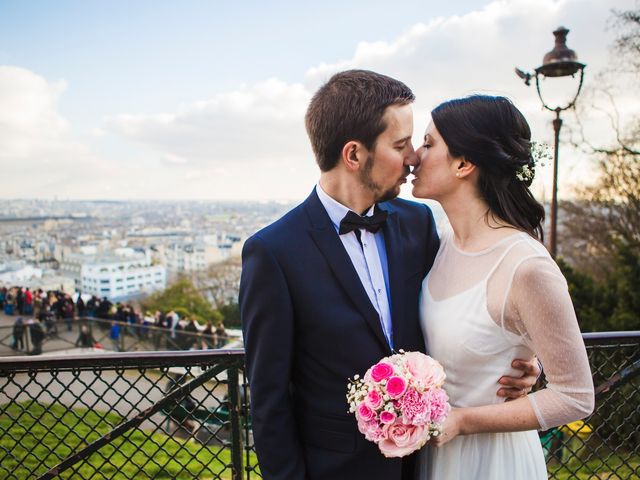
<point>412,159</point>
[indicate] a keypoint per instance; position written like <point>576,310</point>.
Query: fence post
<point>236,430</point>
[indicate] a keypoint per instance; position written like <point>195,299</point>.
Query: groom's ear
<point>352,155</point>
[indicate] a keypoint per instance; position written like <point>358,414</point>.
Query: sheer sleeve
<point>541,311</point>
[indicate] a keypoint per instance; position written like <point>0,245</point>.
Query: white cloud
<point>246,125</point>
<point>257,131</point>
<point>250,142</point>
<point>29,121</point>
<point>477,52</point>
<point>39,154</point>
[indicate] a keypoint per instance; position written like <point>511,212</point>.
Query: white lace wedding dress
<point>480,311</point>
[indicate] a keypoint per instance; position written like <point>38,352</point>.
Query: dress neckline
<point>485,250</point>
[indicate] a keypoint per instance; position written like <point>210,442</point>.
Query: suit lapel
<point>326,238</point>
<point>393,244</point>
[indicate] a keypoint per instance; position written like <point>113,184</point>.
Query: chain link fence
<point>186,415</point>
<point>607,444</point>
<point>125,416</point>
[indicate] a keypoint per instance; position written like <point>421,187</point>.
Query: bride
<point>494,294</point>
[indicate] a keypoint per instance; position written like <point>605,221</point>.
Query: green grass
<point>34,437</point>
<point>617,467</point>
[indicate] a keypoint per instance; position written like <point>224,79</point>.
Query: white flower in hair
<point>525,173</point>
<point>540,153</point>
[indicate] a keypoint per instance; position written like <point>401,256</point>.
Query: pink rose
<point>426,371</point>
<point>374,399</point>
<point>387,417</point>
<point>415,408</point>
<point>396,386</point>
<point>371,430</point>
<point>365,413</point>
<point>381,371</point>
<point>402,440</point>
<point>439,403</point>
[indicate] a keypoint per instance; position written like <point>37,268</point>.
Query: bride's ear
<point>464,168</point>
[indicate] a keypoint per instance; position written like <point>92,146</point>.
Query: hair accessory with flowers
<point>400,403</point>
<point>540,154</point>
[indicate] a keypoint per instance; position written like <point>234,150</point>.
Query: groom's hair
<point>350,106</point>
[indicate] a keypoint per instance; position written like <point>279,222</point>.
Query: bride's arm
<point>539,301</point>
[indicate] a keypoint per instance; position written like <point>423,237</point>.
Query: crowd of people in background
<point>42,312</point>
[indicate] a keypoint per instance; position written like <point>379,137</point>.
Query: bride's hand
<point>451,428</point>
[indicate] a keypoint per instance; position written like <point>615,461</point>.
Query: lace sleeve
<point>540,303</point>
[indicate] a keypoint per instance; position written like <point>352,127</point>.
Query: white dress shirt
<point>369,260</point>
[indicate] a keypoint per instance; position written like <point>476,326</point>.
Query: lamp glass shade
<point>561,61</point>
<point>560,69</point>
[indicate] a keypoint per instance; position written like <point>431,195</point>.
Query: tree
<point>625,281</point>
<point>221,281</point>
<point>602,226</point>
<point>592,301</point>
<point>231,313</point>
<point>220,284</point>
<point>611,304</point>
<point>606,214</point>
<point>183,297</point>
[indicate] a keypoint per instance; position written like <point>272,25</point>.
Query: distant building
<point>50,281</point>
<point>123,274</point>
<point>200,255</point>
<point>191,257</point>
<point>17,273</point>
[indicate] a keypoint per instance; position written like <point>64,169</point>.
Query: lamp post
<point>559,62</point>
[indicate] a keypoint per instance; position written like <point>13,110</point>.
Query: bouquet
<point>400,403</point>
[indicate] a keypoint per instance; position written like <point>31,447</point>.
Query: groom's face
<point>388,163</point>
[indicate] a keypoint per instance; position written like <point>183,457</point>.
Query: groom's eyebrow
<point>402,140</point>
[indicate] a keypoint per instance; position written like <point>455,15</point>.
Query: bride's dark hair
<point>491,133</point>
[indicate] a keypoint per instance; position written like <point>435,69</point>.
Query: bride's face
<point>435,175</point>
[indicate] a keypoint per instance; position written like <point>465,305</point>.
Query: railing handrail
<point>611,335</point>
<point>191,357</point>
<point>124,359</point>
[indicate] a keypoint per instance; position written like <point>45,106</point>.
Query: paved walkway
<point>63,341</point>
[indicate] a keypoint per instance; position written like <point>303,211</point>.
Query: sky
<point>183,100</point>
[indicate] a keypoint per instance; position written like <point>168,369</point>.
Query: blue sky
<point>152,55</point>
<point>205,99</point>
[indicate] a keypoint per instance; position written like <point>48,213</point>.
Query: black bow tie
<point>352,221</point>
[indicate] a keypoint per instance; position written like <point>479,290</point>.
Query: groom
<point>333,286</point>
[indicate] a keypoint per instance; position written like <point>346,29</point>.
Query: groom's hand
<point>516,387</point>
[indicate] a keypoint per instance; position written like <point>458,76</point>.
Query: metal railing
<point>186,415</point>
<point>607,444</point>
<point>59,335</point>
<point>126,415</point>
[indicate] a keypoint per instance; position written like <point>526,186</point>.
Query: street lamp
<point>559,62</point>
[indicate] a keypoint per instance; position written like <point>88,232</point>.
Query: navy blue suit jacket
<point>308,326</point>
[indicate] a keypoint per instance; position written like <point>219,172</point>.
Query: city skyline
<point>160,101</point>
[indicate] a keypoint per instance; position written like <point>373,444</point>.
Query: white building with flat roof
<point>120,275</point>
